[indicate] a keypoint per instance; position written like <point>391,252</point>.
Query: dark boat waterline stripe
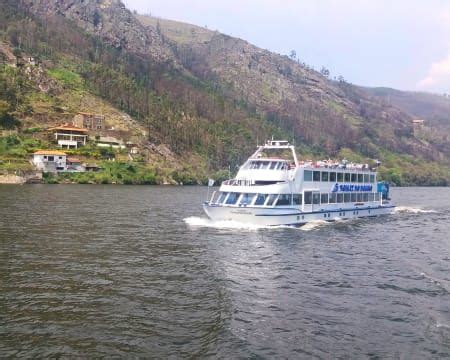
<point>329,211</point>
<point>301,223</point>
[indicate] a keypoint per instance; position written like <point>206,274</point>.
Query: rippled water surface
<point>123,271</point>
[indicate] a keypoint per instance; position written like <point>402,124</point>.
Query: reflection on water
<point>139,272</point>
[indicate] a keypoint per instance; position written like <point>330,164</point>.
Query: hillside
<point>432,107</point>
<point>195,101</point>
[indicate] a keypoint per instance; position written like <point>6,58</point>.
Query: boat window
<point>340,198</point>
<point>353,197</point>
<point>51,158</point>
<point>273,165</point>
<point>265,182</point>
<point>307,175</point>
<point>332,176</point>
<point>366,178</point>
<point>264,165</point>
<point>232,198</point>
<point>222,197</point>
<point>372,178</point>
<point>271,199</point>
<point>365,197</point>
<point>360,178</point>
<point>354,178</point>
<point>377,197</point>
<point>297,199</point>
<point>308,197</point>
<point>214,197</point>
<point>316,198</point>
<point>324,175</point>
<point>324,198</point>
<point>371,197</point>
<point>340,177</point>
<point>332,198</point>
<point>257,165</point>
<point>261,199</point>
<point>347,197</point>
<point>359,197</point>
<point>347,177</point>
<point>316,176</point>
<point>247,199</point>
<point>284,199</point>
<point>283,166</point>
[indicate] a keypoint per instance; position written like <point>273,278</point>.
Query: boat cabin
<point>311,188</point>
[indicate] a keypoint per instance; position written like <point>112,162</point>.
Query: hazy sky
<point>403,44</point>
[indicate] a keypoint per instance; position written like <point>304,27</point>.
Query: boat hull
<point>289,216</point>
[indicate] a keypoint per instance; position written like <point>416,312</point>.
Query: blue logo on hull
<point>351,188</point>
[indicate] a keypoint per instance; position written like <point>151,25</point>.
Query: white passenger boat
<point>274,188</point>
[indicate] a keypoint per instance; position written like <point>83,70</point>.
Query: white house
<point>109,141</point>
<point>50,160</point>
<point>70,137</point>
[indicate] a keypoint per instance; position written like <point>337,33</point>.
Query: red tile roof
<point>67,127</point>
<point>49,152</point>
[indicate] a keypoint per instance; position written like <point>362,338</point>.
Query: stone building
<point>94,122</point>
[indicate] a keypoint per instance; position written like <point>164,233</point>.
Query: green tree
<point>324,71</point>
<point>293,54</point>
<point>7,121</point>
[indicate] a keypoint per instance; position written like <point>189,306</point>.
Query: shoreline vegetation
<point>115,167</point>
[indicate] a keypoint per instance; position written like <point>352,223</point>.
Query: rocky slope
<point>108,19</point>
<point>211,97</point>
<point>433,108</point>
<point>322,112</point>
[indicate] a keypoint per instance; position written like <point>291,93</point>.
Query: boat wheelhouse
<point>274,188</point>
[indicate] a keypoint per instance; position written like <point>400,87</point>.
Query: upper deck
<point>275,166</point>
<point>272,162</point>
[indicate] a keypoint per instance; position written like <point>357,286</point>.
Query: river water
<point>93,271</point>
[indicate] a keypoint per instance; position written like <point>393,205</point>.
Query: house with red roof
<point>69,136</point>
<point>50,161</point>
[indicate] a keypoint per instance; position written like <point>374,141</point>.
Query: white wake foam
<point>412,210</point>
<point>314,225</point>
<point>441,325</point>
<point>195,221</point>
<point>443,284</point>
<point>229,224</point>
